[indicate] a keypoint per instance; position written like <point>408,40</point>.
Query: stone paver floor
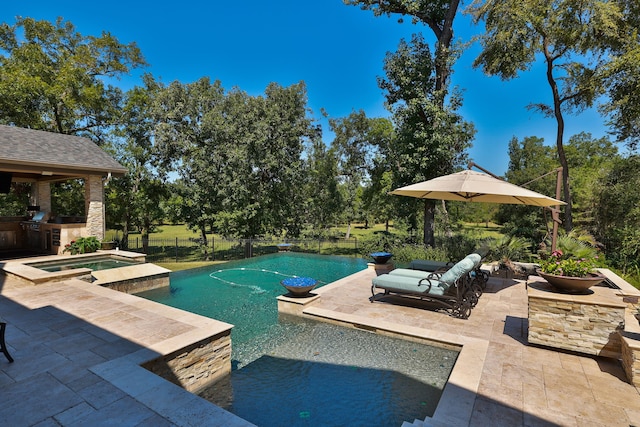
<point>519,384</point>
<point>68,338</point>
<point>77,350</point>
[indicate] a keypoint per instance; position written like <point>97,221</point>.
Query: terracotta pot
<point>572,284</point>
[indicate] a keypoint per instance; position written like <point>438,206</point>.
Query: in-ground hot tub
<point>96,263</point>
<point>120,270</point>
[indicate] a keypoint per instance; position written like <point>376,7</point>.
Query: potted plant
<point>569,272</point>
<point>505,251</point>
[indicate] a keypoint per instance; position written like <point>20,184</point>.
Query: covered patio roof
<point>33,155</point>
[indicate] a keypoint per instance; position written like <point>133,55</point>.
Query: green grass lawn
<point>177,266</point>
<point>163,231</point>
<point>484,230</point>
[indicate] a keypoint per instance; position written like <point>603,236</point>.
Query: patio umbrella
<point>472,186</point>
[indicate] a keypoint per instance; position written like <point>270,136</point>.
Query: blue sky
<point>337,50</point>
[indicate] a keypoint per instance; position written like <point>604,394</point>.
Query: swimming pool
<point>292,371</point>
<point>95,263</point>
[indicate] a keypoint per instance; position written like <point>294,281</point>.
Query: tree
<point>14,203</point>
<point>67,197</point>
<point>275,167</point>
<point>263,191</point>
<point>136,198</point>
<point>531,164</point>
<point>578,41</point>
<point>426,110</point>
<point>438,15</point>
<point>617,212</point>
<point>238,157</point>
<point>621,78</point>
<point>53,78</point>
<point>590,160</point>
<point>431,138</point>
<point>353,148</point>
<point>324,201</point>
<point>191,136</point>
<point>377,201</point>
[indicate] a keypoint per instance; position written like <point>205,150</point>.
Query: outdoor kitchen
<point>39,233</point>
<point>37,160</point>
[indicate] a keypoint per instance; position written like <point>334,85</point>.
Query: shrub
<point>559,264</point>
<point>82,245</point>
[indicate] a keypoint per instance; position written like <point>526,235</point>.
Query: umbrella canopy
<point>471,186</point>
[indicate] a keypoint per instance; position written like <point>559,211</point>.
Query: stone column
<point>41,195</point>
<point>94,206</point>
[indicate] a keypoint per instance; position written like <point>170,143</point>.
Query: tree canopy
<point>55,79</point>
<point>583,44</point>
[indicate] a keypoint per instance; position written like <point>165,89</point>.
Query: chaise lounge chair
<point>480,277</point>
<point>452,289</point>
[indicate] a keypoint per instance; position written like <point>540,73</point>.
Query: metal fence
<point>218,249</point>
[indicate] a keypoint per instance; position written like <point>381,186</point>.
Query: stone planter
<point>572,284</point>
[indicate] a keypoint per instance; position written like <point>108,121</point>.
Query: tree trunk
<point>205,243</point>
<point>145,240</point>
<point>124,243</point>
<point>557,111</point>
<point>429,210</point>
<point>447,222</point>
<point>348,230</point>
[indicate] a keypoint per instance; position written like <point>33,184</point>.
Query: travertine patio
<point>77,349</point>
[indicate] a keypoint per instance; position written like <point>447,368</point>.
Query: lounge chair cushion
<point>463,267</point>
<point>476,258</point>
<point>408,284</point>
<point>407,272</point>
<point>428,265</point>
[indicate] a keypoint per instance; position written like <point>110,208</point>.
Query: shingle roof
<point>47,150</point>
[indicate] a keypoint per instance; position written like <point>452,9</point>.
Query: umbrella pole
<point>555,212</point>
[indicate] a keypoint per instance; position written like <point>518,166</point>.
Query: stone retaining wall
<point>197,366</point>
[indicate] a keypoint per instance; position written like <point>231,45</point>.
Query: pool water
<point>244,292</point>
<point>93,263</point>
<point>296,372</point>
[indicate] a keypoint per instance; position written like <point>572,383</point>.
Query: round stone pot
<point>381,257</point>
<point>572,284</point>
<point>299,286</point>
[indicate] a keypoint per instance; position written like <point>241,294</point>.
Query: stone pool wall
<point>196,366</point>
<point>133,279</point>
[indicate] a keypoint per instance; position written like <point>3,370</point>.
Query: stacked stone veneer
<point>583,323</point>
<point>198,365</point>
<point>94,206</point>
<point>631,358</point>
<point>139,284</point>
